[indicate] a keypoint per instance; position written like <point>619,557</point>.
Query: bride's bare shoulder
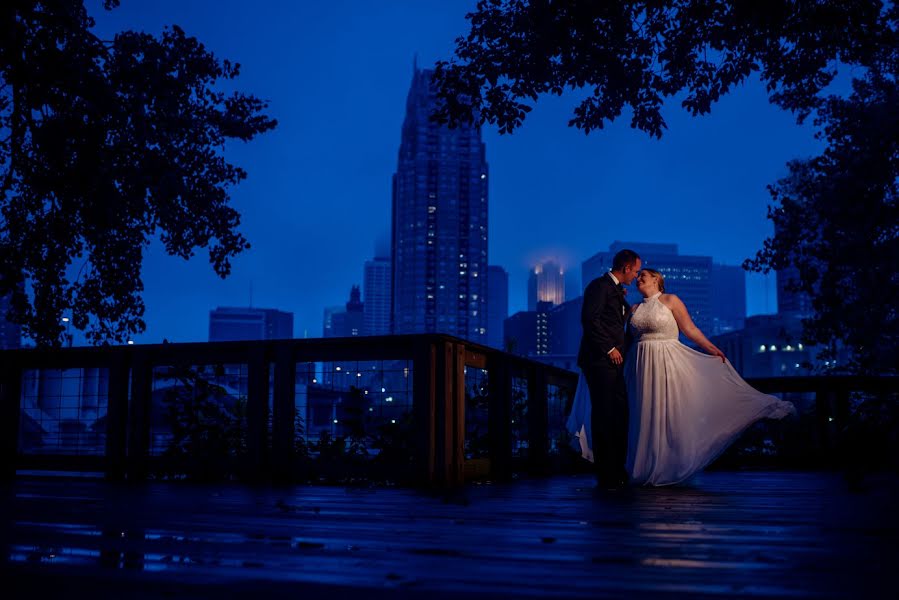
<point>670,300</point>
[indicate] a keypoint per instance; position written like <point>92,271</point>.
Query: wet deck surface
<point>746,534</point>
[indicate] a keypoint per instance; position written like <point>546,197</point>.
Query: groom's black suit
<point>602,317</point>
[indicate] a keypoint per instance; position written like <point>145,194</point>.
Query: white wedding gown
<point>686,407</point>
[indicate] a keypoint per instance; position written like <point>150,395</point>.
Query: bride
<point>685,407</point>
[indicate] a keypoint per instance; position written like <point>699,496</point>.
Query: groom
<point>601,357</point>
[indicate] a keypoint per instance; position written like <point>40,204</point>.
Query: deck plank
<point>759,534</point>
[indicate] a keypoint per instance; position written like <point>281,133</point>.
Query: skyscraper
<point>546,283</point>
<point>439,226</point>
<point>528,332</point>
<point>328,320</point>
<point>497,304</point>
<point>351,321</point>
<point>228,324</point>
<point>376,290</point>
<point>790,301</point>
<point>728,307</point>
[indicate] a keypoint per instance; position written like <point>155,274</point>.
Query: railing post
<point>117,419</point>
<point>457,421</point>
<point>10,416</point>
<point>257,410</point>
<point>283,413</point>
<point>424,406</point>
<point>499,415</point>
<point>139,416</point>
<point>443,414</point>
<point>539,419</point>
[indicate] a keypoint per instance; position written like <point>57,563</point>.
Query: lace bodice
<point>652,320</point>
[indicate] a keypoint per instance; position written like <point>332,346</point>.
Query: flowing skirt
<point>686,408</point>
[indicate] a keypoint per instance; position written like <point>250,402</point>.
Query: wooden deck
<point>769,534</point>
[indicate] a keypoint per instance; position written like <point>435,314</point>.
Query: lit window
<point>762,348</point>
<point>772,347</point>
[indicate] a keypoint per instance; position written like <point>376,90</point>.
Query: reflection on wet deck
<point>759,534</point>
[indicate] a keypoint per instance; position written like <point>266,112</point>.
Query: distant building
<point>528,332</point>
<point>546,283</point>
<point>565,328</point>
<point>770,346</point>
<point>573,286</point>
<point>64,411</point>
<point>728,305</point>
<point>10,333</point>
<point>376,292</point>
<point>790,301</point>
<point>497,304</point>
<point>521,333</point>
<point>227,324</point>
<point>351,321</point>
<point>439,228</point>
<point>328,320</point>
<point>690,277</point>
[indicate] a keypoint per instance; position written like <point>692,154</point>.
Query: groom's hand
<point>615,357</point>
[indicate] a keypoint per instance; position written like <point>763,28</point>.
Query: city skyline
<point>309,190</point>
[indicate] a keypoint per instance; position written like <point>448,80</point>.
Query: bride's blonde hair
<point>660,279</point>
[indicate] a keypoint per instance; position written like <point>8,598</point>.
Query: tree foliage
<point>836,219</point>
<point>105,145</point>
<point>835,215</point>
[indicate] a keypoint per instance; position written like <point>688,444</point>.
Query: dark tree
<point>835,215</point>
<point>836,218</point>
<point>105,145</point>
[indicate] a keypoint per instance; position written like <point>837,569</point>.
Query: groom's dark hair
<point>624,258</point>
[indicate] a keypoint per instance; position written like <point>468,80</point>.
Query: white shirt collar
<point>615,279</point>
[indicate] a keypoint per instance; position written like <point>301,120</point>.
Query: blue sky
<point>318,193</point>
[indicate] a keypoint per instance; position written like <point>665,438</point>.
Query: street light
<point>68,323</point>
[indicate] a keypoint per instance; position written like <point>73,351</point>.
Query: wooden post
<point>424,401</point>
<point>457,420</point>
<point>117,419</point>
<point>139,417</point>
<point>257,410</point>
<point>826,400</point>
<point>538,425</point>
<point>444,428</point>
<point>283,413</point>
<point>10,415</point>
<point>499,389</point>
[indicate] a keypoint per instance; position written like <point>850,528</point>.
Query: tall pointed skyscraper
<point>439,233</point>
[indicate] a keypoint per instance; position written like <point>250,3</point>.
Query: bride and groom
<point>649,409</point>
